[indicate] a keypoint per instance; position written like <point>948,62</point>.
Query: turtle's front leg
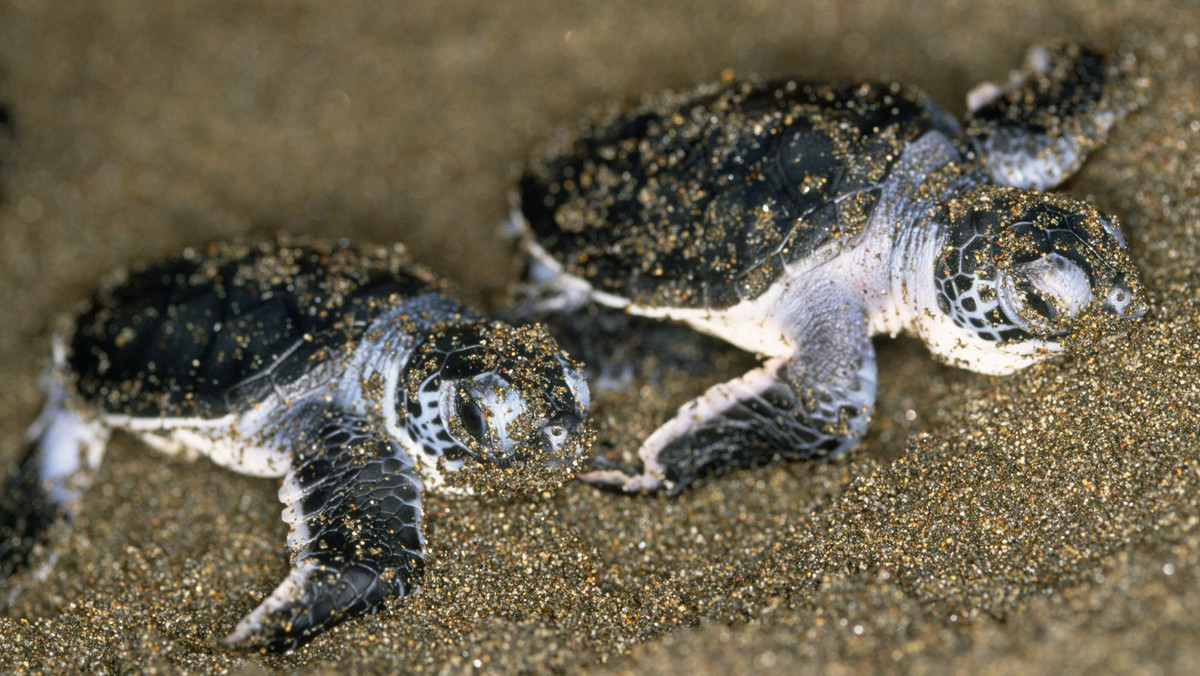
<point>813,404</point>
<point>1036,131</point>
<point>354,504</point>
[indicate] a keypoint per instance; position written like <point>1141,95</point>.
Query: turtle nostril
<point>1136,310</point>
<point>1122,302</point>
<point>560,426</point>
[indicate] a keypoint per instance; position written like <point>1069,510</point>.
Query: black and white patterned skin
<point>299,361</point>
<point>796,220</point>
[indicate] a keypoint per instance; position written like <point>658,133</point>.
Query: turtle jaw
<point>1064,260</point>
<point>1049,296</point>
<point>546,455</point>
<point>953,345</point>
<point>553,442</point>
<point>1043,297</point>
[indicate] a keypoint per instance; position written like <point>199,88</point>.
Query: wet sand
<point>1040,523</point>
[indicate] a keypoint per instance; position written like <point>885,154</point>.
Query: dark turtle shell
<point>698,199</point>
<point>191,336</point>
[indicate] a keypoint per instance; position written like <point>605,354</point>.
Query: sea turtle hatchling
<point>797,220</point>
<point>351,374</point>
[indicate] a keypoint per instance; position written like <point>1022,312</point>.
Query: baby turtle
<point>351,374</point>
<point>797,220</point>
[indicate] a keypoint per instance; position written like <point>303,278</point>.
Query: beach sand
<point>1040,523</point>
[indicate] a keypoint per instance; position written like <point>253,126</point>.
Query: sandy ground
<point>1041,523</point>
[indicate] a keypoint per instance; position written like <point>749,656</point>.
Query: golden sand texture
<point>1040,523</point>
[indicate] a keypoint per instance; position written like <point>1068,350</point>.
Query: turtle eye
<point>1122,301</point>
<point>1038,307</point>
<point>471,416</point>
<point>558,428</point>
<point>1046,293</point>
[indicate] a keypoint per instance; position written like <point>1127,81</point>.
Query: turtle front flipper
<point>1037,131</point>
<point>814,403</point>
<point>354,504</point>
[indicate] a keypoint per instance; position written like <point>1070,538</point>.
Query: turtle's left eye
<point>471,416</point>
<point>1037,308</point>
<point>559,428</point>
<point>1046,293</point>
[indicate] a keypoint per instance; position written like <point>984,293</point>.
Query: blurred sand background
<point>1042,523</point>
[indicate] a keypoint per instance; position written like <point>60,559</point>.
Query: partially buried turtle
<point>797,220</point>
<point>351,374</point>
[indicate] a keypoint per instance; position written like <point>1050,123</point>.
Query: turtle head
<point>503,407</point>
<point>1020,269</point>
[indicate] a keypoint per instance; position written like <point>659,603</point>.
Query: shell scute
<point>205,334</point>
<point>701,198</point>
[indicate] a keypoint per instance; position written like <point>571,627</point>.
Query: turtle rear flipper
<point>353,501</point>
<point>1035,132</point>
<point>25,514</point>
<point>65,448</point>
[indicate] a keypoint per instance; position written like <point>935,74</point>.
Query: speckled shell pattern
<point>701,199</point>
<point>214,331</point>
